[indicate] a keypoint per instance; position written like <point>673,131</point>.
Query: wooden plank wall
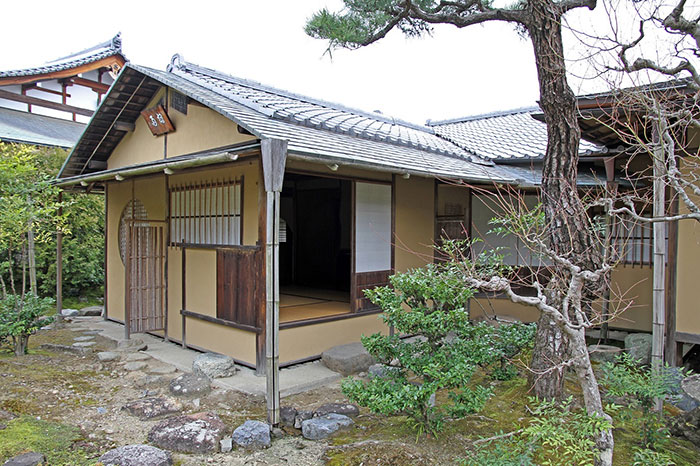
<point>368,280</point>
<point>239,288</point>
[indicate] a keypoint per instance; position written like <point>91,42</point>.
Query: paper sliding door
<point>373,241</point>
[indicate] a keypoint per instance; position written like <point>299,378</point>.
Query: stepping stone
<point>213,365</point>
<point>321,427</point>
<point>84,344</point>
<point>85,338</point>
<point>346,409</point>
<point>190,385</point>
<point>347,359</point>
<point>107,356</point>
<point>603,353</point>
<point>137,357</point>
<point>165,369</point>
<point>91,332</point>
<point>151,408</point>
<point>136,455</point>
<point>194,433</point>
<point>26,459</point>
<point>135,366</point>
<point>91,311</point>
<point>69,312</point>
<point>252,435</point>
<point>68,349</point>
<point>133,344</point>
<point>149,381</point>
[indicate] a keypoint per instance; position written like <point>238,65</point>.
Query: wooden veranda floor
<point>306,303</point>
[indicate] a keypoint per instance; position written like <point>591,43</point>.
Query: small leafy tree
<point>641,386</point>
<point>443,354</point>
<point>19,318</point>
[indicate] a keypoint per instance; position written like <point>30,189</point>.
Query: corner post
<point>274,157</point>
<point>59,260</point>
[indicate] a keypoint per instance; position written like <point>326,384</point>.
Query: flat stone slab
<point>603,353</point>
<point>91,311</point>
<point>194,433</point>
<point>84,338</point>
<point>65,348</point>
<point>137,357</point>
<point>322,427</point>
<point>84,344</point>
<point>153,407</point>
<point>213,365</point>
<point>346,409</point>
<point>252,435</point>
<point>190,385</point>
<point>26,459</point>
<point>70,312</point>
<point>149,381</point>
<point>163,370</point>
<point>136,455</point>
<point>135,365</point>
<point>107,356</point>
<point>347,359</point>
<point>133,344</point>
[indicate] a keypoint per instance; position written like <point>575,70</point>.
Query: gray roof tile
<point>31,128</point>
<point>90,55</point>
<point>509,135</point>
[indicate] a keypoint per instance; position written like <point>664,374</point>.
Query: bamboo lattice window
<point>206,213</point>
<point>633,241</point>
<point>134,210</point>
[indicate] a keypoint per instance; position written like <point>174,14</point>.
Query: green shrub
<point>443,354</point>
<point>19,318</point>
<point>647,457</point>
<point>641,386</point>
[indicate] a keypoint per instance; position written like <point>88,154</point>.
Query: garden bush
<point>19,319</point>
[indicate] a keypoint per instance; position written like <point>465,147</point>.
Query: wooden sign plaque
<point>157,120</point>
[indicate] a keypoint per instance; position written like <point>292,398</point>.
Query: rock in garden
<point>691,386</point>
<point>84,338</point>
<point>107,356</point>
<point>252,435</point>
<point>83,344</point>
<point>135,366</point>
<point>132,344</point>
<point>346,409</point>
<point>69,312</point>
<point>194,433</point>
<point>26,459</point>
<point>226,444</point>
<point>603,353</point>
<point>190,385</point>
<point>638,346</point>
<point>153,407</point>
<point>163,369</point>
<point>687,425</point>
<point>65,348</point>
<point>136,455</point>
<point>91,311</point>
<point>287,416</point>
<point>213,365</point>
<point>347,359</point>
<point>321,427</point>
<point>378,370</point>
<point>301,417</point>
<point>6,415</point>
<point>149,381</point>
<point>137,357</point>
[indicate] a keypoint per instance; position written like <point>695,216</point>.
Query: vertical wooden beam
<point>105,300</point>
<point>611,187</point>
<point>184,296</point>
<point>274,158</point>
<point>671,286</point>
<point>166,253</point>
<point>262,301</point>
<point>59,261</point>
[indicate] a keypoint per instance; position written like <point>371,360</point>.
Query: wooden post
<point>274,156</point>
<point>658,296</point>
<point>611,188</point>
<point>671,286</point>
<point>59,261</point>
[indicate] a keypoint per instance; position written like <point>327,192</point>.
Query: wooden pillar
<point>611,188</point>
<point>274,156</point>
<point>59,261</point>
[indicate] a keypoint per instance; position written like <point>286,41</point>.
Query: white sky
<point>454,73</point>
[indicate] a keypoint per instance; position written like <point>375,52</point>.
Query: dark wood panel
<point>365,281</point>
<point>238,287</point>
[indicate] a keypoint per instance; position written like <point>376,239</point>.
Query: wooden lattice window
<point>206,213</point>
<point>633,241</point>
<point>134,210</point>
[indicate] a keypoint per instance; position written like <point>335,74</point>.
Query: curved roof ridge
<point>484,116</point>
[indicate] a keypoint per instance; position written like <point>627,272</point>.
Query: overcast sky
<point>456,72</point>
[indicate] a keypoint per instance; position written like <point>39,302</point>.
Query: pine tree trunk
<point>31,258</point>
<point>21,344</point>
<point>567,223</point>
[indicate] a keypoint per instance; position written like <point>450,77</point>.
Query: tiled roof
<point>268,114</point>
<point>509,135</point>
<point>314,113</point>
<point>30,128</point>
<point>90,55</point>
